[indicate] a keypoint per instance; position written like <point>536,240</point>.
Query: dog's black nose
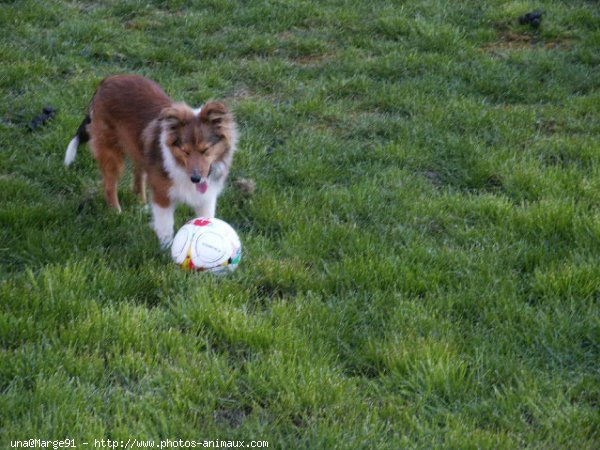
<point>195,178</point>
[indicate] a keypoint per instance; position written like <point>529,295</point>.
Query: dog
<point>184,154</point>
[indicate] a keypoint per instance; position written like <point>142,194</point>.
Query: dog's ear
<point>218,118</point>
<point>172,117</point>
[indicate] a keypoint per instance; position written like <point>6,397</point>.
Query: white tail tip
<point>71,151</point>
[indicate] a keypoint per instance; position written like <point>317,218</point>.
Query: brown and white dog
<point>183,153</point>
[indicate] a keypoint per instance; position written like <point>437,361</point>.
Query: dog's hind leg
<point>112,164</point>
<point>139,182</point>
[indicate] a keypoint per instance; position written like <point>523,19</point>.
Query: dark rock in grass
<point>246,186</point>
<point>48,112</point>
<point>434,177</point>
<point>532,18</point>
<point>277,143</point>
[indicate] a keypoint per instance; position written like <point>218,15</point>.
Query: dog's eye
<point>177,143</point>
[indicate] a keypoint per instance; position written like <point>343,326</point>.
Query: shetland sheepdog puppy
<point>184,154</point>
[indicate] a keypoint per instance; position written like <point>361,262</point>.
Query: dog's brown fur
<point>130,113</point>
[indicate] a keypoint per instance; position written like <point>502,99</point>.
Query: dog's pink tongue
<point>202,187</point>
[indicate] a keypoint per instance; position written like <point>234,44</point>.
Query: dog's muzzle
<point>195,178</point>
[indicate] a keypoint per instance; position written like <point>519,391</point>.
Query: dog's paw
<point>165,243</point>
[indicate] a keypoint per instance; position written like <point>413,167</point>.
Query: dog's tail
<point>81,137</point>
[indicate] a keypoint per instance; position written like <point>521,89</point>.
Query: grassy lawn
<point>421,260</point>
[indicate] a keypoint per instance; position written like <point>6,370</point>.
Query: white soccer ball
<point>207,245</point>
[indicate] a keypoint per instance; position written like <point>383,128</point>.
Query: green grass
<point>421,257</point>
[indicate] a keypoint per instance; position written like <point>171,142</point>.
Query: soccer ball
<point>207,245</point>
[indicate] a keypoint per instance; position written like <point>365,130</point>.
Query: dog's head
<point>199,141</point>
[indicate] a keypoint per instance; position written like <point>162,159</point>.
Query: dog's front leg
<point>163,223</point>
<point>207,208</point>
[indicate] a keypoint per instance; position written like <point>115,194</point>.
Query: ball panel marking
<point>181,244</point>
<point>210,249</point>
<point>201,222</point>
